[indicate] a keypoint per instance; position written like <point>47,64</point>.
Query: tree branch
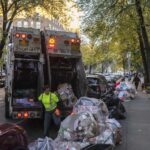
<point>11,5</point>
<point>124,9</point>
<point>2,4</point>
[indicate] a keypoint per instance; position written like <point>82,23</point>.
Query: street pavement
<point>136,128</point>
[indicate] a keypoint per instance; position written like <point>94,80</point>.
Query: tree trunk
<point>142,49</point>
<point>90,69</point>
<point>2,44</point>
<point>102,68</point>
<point>144,34</point>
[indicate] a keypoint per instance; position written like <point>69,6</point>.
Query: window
<point>50,26</point>
<point>92,80</point>
<point>26,24</point>
<point>31,24</point>
<point>19,24</point>
<point>38,25</point>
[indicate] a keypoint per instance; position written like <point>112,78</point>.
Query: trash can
<point>99,147</point>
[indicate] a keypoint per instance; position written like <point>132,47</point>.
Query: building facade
<point>36,22</point>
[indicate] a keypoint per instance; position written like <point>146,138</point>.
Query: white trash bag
<point>42,144</point>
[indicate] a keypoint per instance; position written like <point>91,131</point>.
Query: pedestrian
<point>136,81</point>
<point>49,101</point>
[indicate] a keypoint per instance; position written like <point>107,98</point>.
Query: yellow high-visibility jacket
<point>49,101</point>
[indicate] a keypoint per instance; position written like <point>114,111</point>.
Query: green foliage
<point>114,23</point>
<point>10,9</point>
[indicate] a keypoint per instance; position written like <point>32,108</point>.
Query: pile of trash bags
<point>42,144</point>
<point>66,95</point>
<point>87,125</point>
<point>125,90</point>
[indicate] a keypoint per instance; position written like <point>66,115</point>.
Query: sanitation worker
<point>49,101</point>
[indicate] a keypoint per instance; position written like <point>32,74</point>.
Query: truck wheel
<point>6,107</point>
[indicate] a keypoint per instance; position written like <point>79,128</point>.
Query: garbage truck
<point>36,58</point>
<point>63,66</point>
<point>24,74</point>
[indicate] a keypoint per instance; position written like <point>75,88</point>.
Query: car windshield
<point>92,80</point>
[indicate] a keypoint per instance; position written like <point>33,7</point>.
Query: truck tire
<point>6,107</point>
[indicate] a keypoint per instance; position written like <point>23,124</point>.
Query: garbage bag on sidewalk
<point>42,144</point>
<point>97,107</point>
<point>78,127</point>
<point>70,145</point>
<point>115,127</point>
<point>105,137</point>
<point>111,135</point>
<point>88,124</point>
<point>66,94</point>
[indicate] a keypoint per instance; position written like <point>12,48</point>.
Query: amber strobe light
<point>72,40</point>
<point>51,42</point>
<point>26,115</point>
<point>78,41</point>
<point>75,41</point>
<point>17,35</point>
<point>19,115</point>
<point>23,36</point>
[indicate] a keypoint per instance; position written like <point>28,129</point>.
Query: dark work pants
<point>47,121</point>
<point>136,85</point>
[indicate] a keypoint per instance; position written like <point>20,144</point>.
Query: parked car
<point>2,81</point>
<point>97,85</point>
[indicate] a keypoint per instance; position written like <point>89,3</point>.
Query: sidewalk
<point>136,128</point>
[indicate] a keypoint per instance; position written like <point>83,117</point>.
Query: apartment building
<point>36,22</point>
